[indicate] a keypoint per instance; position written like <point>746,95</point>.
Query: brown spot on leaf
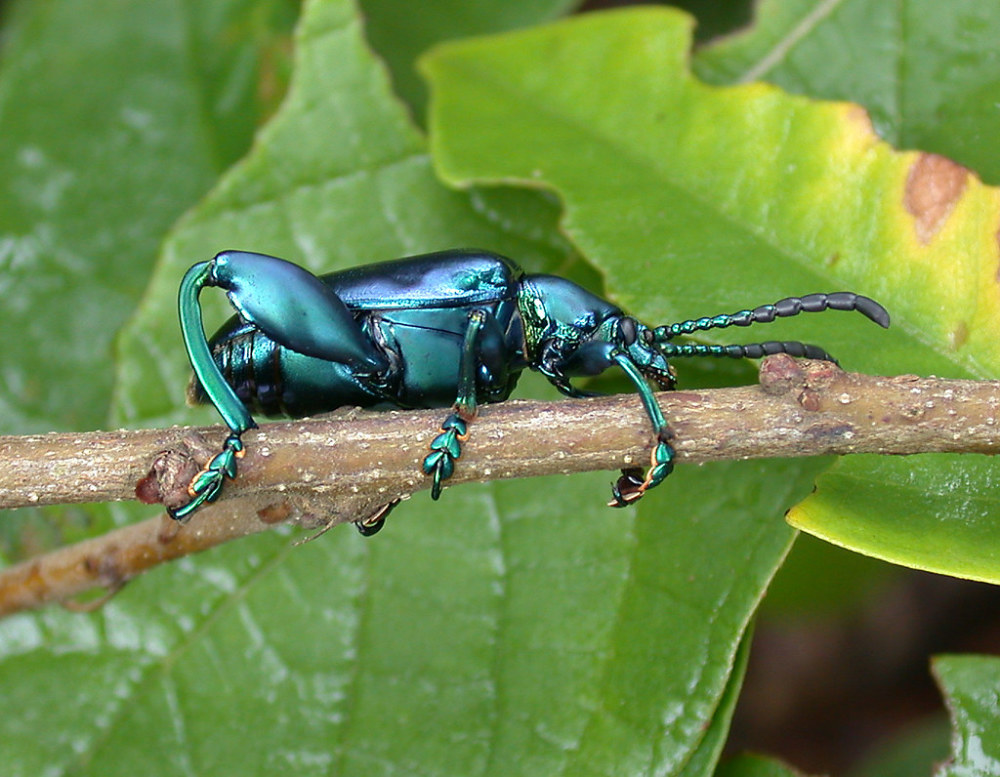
<point>934,185</point>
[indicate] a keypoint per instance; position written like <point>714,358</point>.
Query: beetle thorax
<point>558,313</point>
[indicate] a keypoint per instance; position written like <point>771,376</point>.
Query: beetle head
<point>569,331</point>
<point>638,341</point>
<point>555,310</point>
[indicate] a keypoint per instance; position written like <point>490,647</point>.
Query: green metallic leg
<point>207,484</point>
<point>447,446</point>
<point>633,484</point>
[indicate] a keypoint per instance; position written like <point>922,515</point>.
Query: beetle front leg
<point>447,446</point>
<point>633,484</point>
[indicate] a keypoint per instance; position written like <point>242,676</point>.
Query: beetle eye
<point>627,330</point>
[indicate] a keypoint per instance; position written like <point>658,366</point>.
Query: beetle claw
<point>207,484</point>
<point>373,523</point>
<point>632,484</point>
<point>628,488</point>
<point>440,465</point>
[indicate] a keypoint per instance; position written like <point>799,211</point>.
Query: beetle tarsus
<point>207,484</point>
<point>633,484</point>
<point>628,488</point>
<point>445,448</point>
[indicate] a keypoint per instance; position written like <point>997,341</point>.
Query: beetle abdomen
<point>251,363</point>
<point>275,381</point>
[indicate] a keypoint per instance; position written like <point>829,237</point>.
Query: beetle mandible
<point>447,329</point>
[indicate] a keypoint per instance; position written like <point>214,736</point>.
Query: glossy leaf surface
<point>108,136</point>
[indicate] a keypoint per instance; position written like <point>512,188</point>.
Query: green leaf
<point>738,196</point>
<point>400,36</point>
<point>510,639</point>
<point>703,760</point>
<point>909,749</point>
<point>755,766</point>
<point>926,71</point>
<point>699,564</point>
<point>923,70</point>
<point>822,580</point>
<point>970,686</point>
<point>716,18</point>
<point>942,518</point>
<point>115,118</point>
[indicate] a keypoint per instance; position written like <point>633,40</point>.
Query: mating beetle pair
<point>454,328</point>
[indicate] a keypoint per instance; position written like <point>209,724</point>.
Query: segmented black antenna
<point>790,306</point>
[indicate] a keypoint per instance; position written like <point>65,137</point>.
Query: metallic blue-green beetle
<point>449,329</point>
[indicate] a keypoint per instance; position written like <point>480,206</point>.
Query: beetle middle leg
<point>447,446</point>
